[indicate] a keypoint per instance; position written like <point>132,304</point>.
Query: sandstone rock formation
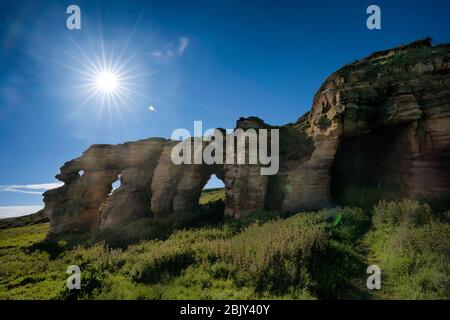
<point>381,123</point>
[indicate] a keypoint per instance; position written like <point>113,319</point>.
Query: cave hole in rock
<point>116,184</point>
<point>214,190</point>
<point>371,167</point>
<point>212,198</point>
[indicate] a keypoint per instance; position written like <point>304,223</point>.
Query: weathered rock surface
<point>382,122</point>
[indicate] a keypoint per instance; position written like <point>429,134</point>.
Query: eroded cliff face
<point>395,123</point>
<point>382,122</point>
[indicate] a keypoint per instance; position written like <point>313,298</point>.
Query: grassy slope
<point>22,237</point>
<point>303,256</point>
<point>212,195</point>
<point>412,245</point>
<point>23,221</point>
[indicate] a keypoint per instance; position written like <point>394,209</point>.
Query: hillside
<point>23,221</point>
<point>308,255</point>
<point>364,179</point>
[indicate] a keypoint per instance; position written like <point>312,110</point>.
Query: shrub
<point>323,122</point>
<point>294,143</point>
<point>348,224</point>
<point>410,244</point>
<point>363,197</point>
<point>264,255</point>
<point>407,211</point>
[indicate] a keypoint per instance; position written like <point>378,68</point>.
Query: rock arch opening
<point>116,184</point>
<point>211,198</point>
<point>213,191</point>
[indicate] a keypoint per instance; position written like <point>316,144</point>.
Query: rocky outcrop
<point>381,123</point>
<point>85,201</point>
<point>395,122</point>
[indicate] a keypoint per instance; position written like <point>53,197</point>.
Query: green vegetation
<point>402,59</point>
<point>294,142</point>
<point>309,255</point>
<point>412,245</point>
<point>364,196</point>
<point>323,122</point>
<point>23,221</point>
<point>23,236</point>
<point>212,195</point>
<point>424,54</point>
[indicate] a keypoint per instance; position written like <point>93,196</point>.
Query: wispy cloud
<point>17,211</point>
<point>30,188</point>
<point>172,51</point>
<point>183,44</point>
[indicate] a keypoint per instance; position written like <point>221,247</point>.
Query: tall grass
<point>309,255</point>
<point>411,244</point>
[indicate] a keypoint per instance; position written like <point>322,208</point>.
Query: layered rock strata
<point>382,122</point>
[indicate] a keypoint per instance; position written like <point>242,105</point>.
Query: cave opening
<point>214,190</point>
<point>371,167</point>
<point>116,184</point>
<point>212,197</point>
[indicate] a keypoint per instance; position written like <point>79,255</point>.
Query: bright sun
<point>107,81</point>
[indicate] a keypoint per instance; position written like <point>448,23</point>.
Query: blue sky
<point>213,61</point>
